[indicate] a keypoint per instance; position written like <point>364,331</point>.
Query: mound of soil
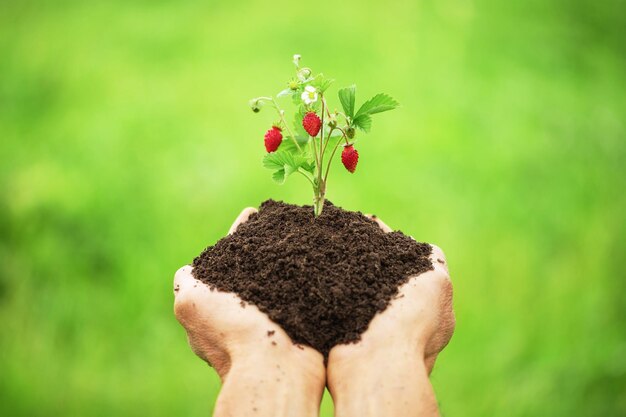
<point>321,279</point>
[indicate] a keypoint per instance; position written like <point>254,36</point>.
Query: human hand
<point>386,372</point>
<point>262,371</point>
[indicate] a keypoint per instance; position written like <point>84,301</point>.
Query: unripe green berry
<point>332,121</point>
<point>350,132</point>
<point>255,105</point>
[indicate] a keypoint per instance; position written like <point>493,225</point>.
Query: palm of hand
<point>420,319</point>
<point>222,329</point>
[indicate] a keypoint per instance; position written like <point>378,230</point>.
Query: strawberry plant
<point>308,145</point>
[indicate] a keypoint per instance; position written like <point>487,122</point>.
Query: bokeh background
<point>127,146</point>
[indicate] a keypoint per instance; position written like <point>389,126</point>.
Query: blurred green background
<point>127,146</point>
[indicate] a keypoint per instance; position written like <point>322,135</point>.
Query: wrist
<point>362,382</point>
<point>293,360</point>
<point>394,351</point>
<point>356,368</point>
<point>284,383</point>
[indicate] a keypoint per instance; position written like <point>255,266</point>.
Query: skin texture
<point>264,374</point>
<point>406,338</point>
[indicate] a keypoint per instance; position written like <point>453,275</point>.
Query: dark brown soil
<point>321,279</point>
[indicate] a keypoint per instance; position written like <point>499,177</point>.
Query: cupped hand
<point>244,346</point>
<point>398,350</point>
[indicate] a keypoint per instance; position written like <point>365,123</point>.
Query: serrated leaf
<point>279,176</point>
<point>290,169</point>
<point>363,122</point>
<point>282,159</point>
<point>284,163</point>
<point>377,104</point>
<point>321,83</point>
<point>308,166</point>
<point>273,160</point>
<point>290,146</point>
<point>346,97</point>
<point>327,83</point>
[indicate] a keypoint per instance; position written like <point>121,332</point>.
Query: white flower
<point>296,59</point>
<point>310,95</point>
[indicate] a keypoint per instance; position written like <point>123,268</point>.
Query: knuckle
<point>437,253</point>
<point>182,274</point>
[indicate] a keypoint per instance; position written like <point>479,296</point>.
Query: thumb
<point>380,223</point>
<point>242,218</point>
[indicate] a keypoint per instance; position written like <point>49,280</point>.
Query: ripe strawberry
<point>349,158</point>
<point>273,138</point>
<point>312,123</point>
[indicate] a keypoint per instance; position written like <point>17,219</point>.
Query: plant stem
<point>318,200</point>
<point>333,154</point>
<point>282,119</point>
<point>322,139</point>
<point>330,133</point>
<point>306,175</point>
<point>320,190</point>
<point>314,150</point>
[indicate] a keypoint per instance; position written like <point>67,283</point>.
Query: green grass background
<point>127,146</point>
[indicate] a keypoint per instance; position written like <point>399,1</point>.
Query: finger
<point>381,224</point>
<point>437,257</point>
<point>242,218</point>
<point>183,280</point>
<point>184,294</point>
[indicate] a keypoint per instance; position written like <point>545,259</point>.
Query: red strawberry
<point>273,138</point>
<point>312,123</point>
<point>349,158</point>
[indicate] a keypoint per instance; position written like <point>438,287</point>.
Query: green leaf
<point>377,104</point>
<point>297,124</point>
<point>296,95</point>
<point>273,160</point>
<point>321,83</point>
<point>308,167</point>
<point>363,122</point>
<point>289,146</point>
<point>347,96</point>
<point>279,176</point>
<point>284,164</point>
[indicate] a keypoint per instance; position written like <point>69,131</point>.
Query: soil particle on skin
<point>321,279</point>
